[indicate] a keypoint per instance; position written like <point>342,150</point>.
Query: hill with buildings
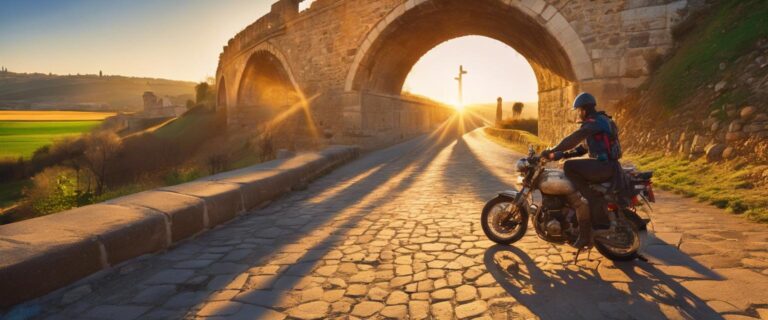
<point>86,92</point>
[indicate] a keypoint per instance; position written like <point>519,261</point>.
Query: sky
<point>173,39</point>
<point>493,68</point>
<point>182,39</point>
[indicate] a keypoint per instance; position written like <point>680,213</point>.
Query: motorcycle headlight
<point>522,165</point>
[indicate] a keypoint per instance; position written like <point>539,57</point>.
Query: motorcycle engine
<point>553,228</point>
<point>556,219</point>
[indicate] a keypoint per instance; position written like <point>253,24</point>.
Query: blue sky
<point>176,39</point>
<point>182,39</point>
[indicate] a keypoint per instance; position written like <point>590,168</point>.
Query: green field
<point>22,138</point>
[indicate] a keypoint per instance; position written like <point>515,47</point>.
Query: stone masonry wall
<point>610,44</point>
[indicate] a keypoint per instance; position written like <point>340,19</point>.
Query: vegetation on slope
<point>721,34</point>
<point>730,185</point>
<point>693,104</point>
<point>517,140</point>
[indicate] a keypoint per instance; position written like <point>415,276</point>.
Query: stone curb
<point>40,255</point>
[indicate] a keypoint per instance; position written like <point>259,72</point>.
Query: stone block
<point>223,201</point>
<point>607,68</point>
<point>747,112</point>
<point>536,6</point>
<point>639,40</point>
<point>34,262</point>
<point>557,23</point>
<point>260,186</point>
<point>548,13</point>
<point>46,253</point>
<point>644,18</point>
<point>186,214</point>
<point>124,232</point>
<point>714,152</point>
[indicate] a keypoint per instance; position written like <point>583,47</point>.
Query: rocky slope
<point>709,99</point>
<point>701,120</point>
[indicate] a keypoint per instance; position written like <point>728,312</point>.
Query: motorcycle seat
<point>643,175</point>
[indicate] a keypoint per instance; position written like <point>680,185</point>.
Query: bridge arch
<point>551,45</point>
<point>266,87</point>
<point>266,72</point>
<point>221,94</point>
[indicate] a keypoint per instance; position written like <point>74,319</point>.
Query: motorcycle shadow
<point>591,289</point>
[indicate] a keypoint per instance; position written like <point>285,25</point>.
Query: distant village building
<point>155,107</point>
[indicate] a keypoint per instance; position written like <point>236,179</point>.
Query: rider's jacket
<point>601,135</point>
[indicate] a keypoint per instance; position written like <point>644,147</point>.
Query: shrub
<point>179,176</point>
<point>56,189</point>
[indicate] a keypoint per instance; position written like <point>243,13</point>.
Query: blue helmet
<point>584,100</point>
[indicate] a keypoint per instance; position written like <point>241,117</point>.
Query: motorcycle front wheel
<point>503,222</point>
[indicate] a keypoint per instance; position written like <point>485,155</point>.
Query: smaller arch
<point>239,64</point>
<point>221,94</point>
<point>264,77</point>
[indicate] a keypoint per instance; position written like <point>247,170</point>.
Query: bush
<point>56,189</point>
<point>179,176</point>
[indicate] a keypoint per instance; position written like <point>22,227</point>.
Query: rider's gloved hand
<point>550,155</point>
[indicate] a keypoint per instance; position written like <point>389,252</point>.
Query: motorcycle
<point>505,218</point>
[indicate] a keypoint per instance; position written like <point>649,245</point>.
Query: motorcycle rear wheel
<point>500,229</point>
<point>621,254</point>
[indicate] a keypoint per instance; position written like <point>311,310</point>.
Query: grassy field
<point>23,132</point>
<point>33,115</point>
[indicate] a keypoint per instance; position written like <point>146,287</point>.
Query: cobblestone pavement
<point>396,234</point>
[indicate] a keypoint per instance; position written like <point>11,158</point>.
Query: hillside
<point>92,92</point>
<point>701,120</point>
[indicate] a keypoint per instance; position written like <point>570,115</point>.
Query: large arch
<point>544,37</point>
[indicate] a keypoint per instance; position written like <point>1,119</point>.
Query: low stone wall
<point>43,254</point>
<point>514,136</point>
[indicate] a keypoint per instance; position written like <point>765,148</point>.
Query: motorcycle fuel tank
<point>554,182</point>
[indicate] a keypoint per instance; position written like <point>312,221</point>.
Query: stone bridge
<point>347,60</point>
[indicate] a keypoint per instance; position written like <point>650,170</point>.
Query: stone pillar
<point>352,113</point>
<point>498,111</point>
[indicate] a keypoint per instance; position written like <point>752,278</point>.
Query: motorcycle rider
<point>601,135</point>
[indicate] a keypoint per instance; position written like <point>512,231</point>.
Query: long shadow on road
<point>405,169</point>
<point>635,290</point>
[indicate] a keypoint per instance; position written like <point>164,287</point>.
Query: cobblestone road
<point>395,234</point>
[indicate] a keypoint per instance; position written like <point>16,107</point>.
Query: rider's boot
<point>582,215</point>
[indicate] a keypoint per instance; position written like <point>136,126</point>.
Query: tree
<point>100,74</point>
<point>517,110</point>
<point>101,151</point>
<point>201,92</point>
<point>204,94</point>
